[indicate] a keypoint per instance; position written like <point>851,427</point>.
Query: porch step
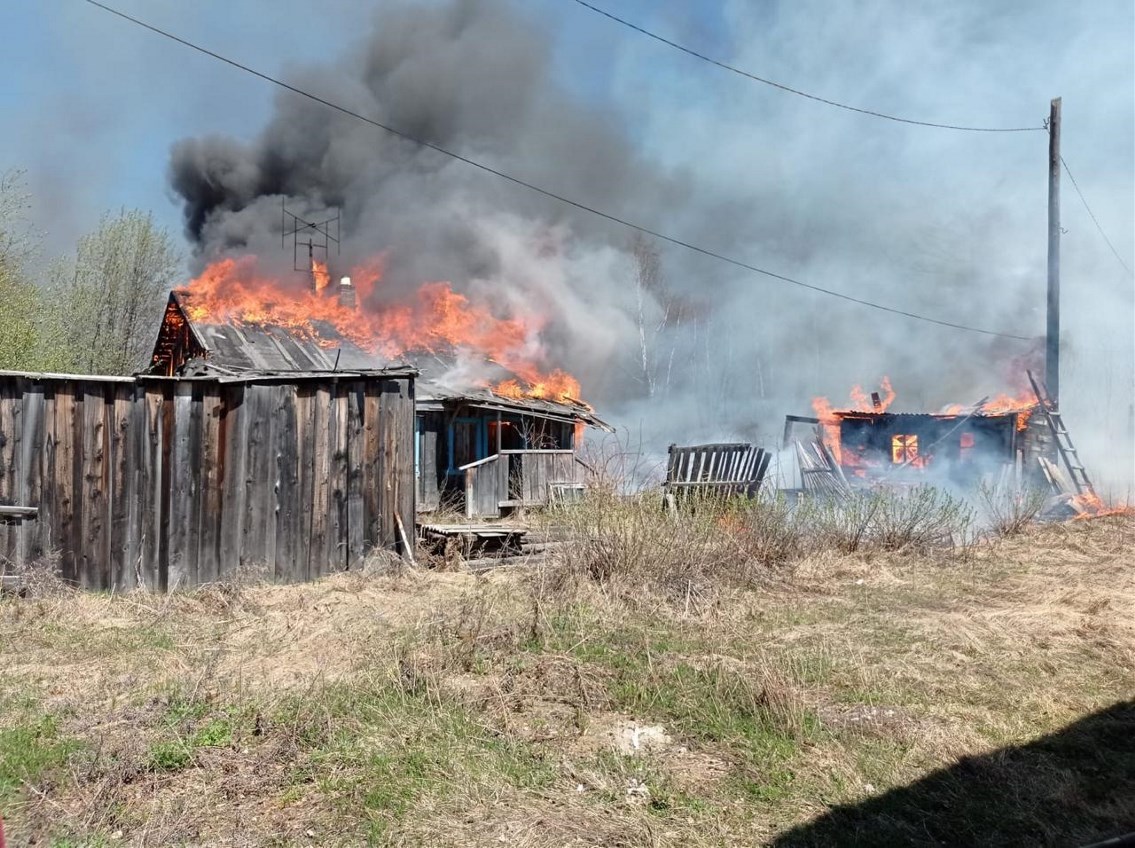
<point>473,539</point>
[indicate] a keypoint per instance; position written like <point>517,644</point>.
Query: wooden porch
<point>516,478</point>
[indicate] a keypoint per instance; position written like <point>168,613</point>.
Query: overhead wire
<point>789,89</point>
<point>545,192</point>
<point>1095,220</point>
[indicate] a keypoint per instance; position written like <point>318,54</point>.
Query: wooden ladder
<point>1064,445</point>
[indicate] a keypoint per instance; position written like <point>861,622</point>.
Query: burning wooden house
<point>960,445</point>
<point>164,482</point>
<point>483,438</point>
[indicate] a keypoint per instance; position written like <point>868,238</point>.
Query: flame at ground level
<point>1091,505</point>
<point>435,319</point>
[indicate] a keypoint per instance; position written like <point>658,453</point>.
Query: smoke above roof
<point>923,220</point>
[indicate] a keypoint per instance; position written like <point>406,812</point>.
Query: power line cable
<point>1095,221</point>
<point>517,181</point>
<point>791,90</point>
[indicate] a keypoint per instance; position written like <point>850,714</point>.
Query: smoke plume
<point>675,344</point>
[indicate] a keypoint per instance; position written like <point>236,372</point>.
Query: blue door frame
<point>480,441</point>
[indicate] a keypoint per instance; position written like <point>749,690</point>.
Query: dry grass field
<point>707,680</point>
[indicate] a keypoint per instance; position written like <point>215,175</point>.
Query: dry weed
<point>37,579</point>
<point>415,707</point>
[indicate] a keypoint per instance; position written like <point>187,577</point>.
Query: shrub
<point>922,518</point>
<point>1010,509</point>
<point>634,540</point>
<point>919,518</point>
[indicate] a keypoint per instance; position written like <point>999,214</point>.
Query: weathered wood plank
<point>156,485</point>
<point>29,464</point>
<point>88,471</point>
<point>356,460</point>
<point>233,453</point>
<point>323,438</point>
<point>337,553</point>
<point>258,545</point>
<point>289,505</point>
<point>196,473</point>
<point>45,519</point>
<point>306,441</point>
<point>406,497</point>
<point>373,479</point>
<point>135,489</point>
<point>181,490</point>
<point>210,514</point>
<point>18,511</point>
<point>120,499</point>
<point>67,480</point>
<point>11,402</point>
<point>385,503</point>
<point>429,493</point>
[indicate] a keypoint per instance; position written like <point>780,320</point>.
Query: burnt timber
<point>167,482</point>
<point>966,445</point>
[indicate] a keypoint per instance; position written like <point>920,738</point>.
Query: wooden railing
<point>517,478</point>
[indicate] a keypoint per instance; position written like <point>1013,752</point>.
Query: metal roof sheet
<point>243,349</point>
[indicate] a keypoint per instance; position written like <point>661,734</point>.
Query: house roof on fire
<point>853,413</point>
<point>240,348</point>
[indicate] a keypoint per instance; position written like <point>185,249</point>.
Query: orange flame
<point>320,274</point>
<point>1090,505</point>
<point>861,402</point>
<point>1022,404</point>
<point>436,319</point>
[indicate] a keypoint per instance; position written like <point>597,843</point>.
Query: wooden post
<point>1052,333</point>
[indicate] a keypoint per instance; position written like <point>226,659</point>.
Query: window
<point>966,447</point>
<point>904,449</point>
<point>509,434</point>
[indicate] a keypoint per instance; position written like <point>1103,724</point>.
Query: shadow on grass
<point>1071,788</point>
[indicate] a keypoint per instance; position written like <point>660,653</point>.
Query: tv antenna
<point>314,235</point>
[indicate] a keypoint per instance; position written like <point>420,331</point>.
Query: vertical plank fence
<point>165,483</point>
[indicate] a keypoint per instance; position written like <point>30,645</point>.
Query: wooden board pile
<point>819,471</point>
<point>480,547</point>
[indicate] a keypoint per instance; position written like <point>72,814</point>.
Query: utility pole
<point>1052,333</point>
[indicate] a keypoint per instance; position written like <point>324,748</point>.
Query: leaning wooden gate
<point>722,470</point>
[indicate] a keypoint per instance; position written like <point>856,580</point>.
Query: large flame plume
<point>435,320</point>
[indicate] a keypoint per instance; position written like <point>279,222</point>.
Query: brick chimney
<point>346,293</point>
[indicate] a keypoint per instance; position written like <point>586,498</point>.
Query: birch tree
<point>108,298</point>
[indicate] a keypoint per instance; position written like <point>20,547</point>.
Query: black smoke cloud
<point>472,77</point>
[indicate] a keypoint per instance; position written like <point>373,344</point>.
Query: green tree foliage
<point>98,313</point>
<point>21,307</point>
<point>108,298</point>
<point>20,311</point>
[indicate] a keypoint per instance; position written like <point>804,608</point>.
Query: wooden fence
<point>517,478</point>
<point>716,469</point>
<point>164,482</point>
